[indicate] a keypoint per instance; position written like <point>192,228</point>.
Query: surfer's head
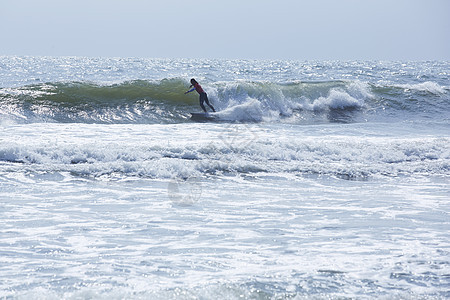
<point>193,81</point>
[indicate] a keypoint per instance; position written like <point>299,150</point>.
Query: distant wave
<point>428,86</point>
<point>163,101</point>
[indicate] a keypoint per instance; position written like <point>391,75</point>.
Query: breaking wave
<point>163,101</point>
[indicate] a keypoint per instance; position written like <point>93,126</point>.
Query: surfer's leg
<point>207,102</point>
<point>201,103</point>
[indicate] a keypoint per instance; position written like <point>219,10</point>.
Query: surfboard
<point>203,117</point>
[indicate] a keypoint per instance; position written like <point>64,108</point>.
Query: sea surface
<point>315,180</point>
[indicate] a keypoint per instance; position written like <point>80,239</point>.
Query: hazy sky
<point>248,29</point>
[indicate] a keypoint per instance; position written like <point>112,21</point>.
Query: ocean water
<point>317,179</point>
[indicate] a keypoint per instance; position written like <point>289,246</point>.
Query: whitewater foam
<point>213,154</point>
<point>428,86</point>
<point>249,111</point>
<point>336,99</point>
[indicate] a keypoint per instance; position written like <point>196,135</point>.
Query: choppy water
<point>318,180</point>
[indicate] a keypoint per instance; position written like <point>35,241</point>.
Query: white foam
<point>336,99</point>
<point>251,110</point>
<point>428,86</point>
<point>257,101</point>
<point>229,148</point>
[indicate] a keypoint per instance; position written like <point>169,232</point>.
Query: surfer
<point>201,92</point>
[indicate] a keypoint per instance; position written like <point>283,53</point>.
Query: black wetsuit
<point>203,96</point>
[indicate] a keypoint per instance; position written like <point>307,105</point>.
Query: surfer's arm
<point>193,89</point>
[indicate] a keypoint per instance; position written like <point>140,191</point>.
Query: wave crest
<point>428,86</point>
